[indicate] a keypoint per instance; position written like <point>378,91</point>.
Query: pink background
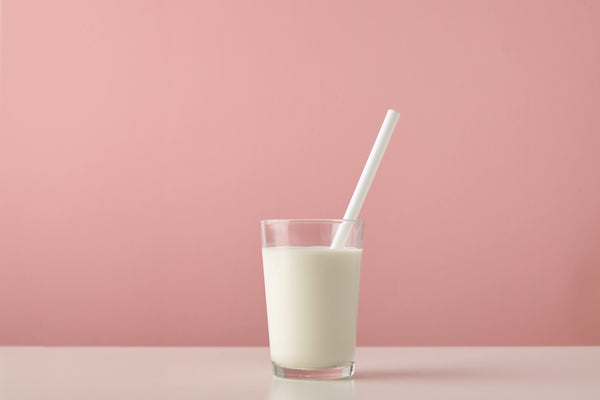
<point>142,141</point>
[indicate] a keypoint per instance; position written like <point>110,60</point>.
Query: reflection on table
<point>288,389</point>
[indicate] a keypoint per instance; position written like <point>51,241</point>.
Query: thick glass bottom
<point>341,372</point>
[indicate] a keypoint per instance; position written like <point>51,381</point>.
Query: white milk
<point>312,301</point>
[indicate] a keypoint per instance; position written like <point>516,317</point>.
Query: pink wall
<point>142,141</point>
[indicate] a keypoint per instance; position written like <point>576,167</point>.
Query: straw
<point>366,178</point>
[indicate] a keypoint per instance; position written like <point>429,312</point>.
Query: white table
<point>245,373</point>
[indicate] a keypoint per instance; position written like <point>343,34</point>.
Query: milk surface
<point>312,301</point>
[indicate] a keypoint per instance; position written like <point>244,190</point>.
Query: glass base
<point>341,372</point>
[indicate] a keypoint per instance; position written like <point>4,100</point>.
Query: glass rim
<point>340,220</point>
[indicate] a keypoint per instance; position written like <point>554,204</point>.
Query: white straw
<point>366,178</point>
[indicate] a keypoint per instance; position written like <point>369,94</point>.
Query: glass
<point>312,296</point>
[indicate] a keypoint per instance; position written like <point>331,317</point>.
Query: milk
<point>312,300</point>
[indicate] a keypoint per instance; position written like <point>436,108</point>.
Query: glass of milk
<point>312,296</point>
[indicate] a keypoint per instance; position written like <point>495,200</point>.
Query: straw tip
<point>393,112</point>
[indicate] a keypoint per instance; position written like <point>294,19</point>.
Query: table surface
<point>245,373</point>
